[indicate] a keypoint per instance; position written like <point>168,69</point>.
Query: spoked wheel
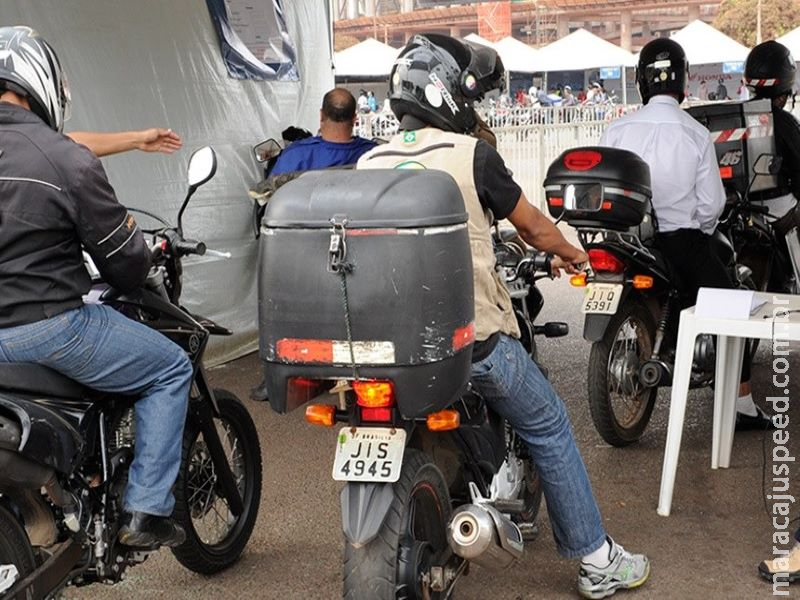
<point>215,538</point>
<point>396,564</point>
<point>619,402</point>
<point>16,554</point>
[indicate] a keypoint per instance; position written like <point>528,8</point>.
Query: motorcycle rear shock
<point>663,321</point>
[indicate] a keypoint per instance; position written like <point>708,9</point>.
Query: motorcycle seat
<point>32,378</point>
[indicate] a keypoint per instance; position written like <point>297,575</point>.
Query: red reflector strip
<point>729,135</point>
<point>463,336</point>
<point>556,201</point>
<point>582,160</point>
<point>367,232</point>
<point>726,172</point>
<point>334,352</point>
<point>376,414</point>
<point>305,351</point>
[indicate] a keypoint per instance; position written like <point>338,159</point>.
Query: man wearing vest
<point>433,86</point>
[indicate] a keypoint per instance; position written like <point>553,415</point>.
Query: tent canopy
<point>792,41</point>
<point>516,56</point>
<point>579,51</point>
<point>369,58</point>
<point>705,45</point>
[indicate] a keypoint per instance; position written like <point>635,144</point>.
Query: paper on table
<point>727,304</point>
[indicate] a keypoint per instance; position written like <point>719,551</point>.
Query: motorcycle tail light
<point>642,282</point>
<point>444,420</point>
<point>578,280</point>
<point>321,414</point>
<point>603,260</point>
<point>383,415</point>
<point>374,394</point>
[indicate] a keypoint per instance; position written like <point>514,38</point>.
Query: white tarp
<point>705,45</point>
<point>366,59</point>
<point>517,56</point>
<point>579,51</point>
<point>136,64</point>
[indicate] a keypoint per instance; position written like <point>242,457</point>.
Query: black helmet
<point>662,69</point>
<point>29,67</point>
<point>487,68</point>
<point>769,70</point>
<point>431,81</point>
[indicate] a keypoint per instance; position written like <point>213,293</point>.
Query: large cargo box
<point>741,131</point>
<point>368,274</point>
<point>597,186</point>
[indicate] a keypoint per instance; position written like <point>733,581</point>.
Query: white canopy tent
<point>516,56</point>
<point>706,45</point>
<point>792,41</point>
<point>474,37</point>
<point>369,59</point>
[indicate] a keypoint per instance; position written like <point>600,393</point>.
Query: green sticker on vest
<point>410,164</point>
<point>409,137</point>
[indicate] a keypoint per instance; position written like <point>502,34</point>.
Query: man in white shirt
<point>688,196</point>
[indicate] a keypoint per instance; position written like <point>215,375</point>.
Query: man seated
<point>334,146</point>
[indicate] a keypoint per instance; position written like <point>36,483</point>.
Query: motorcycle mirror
<point>767,164</point>
<point>267,150</point>
<point>202,166</point>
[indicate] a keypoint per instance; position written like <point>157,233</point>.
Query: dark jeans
<point>691,254</point>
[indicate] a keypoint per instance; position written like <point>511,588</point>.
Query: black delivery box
<point>741,132</point>
<point>368,274</point>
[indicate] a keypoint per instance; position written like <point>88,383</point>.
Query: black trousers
<point>691,255</point>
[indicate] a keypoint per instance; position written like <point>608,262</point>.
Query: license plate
<point>372,454</point>
<point>601,298</point>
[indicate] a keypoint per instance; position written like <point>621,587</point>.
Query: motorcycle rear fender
<point>364,509</point>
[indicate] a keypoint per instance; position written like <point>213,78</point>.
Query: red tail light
<point>582,160</point>
<point>383,415</point>
<point>603,260</point>
<point>374,394</point>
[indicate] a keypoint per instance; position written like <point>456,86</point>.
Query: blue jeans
<point>514,387</point>
<point>106,351</point>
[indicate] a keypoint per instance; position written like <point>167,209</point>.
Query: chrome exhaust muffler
<point>481,534</point>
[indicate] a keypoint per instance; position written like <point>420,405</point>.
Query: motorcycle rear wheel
<point>415,529</point>
<point>15,548</point>
<point>214,537</point>
<point>620,405</point>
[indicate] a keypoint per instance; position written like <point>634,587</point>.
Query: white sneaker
<point>624,570</point>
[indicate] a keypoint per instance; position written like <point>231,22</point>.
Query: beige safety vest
<point>453,153</point>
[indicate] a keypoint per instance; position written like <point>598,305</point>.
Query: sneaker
<point>758,423</point>
<point>147,531</point>
<point>786,567</point>
<point>624,570</point>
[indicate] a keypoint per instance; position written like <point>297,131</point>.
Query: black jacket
<point>787,145</point>
<point>54,198</point>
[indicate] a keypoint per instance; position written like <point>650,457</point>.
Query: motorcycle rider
<point>56,201</point>
<point>688,196</point>
<point>433,86</point>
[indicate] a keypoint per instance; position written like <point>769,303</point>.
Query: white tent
<point>516,56</point>
<point>150,63</point>
<point>367,59</point>
<point>705,45</point>
<point>579,51</point>
<point>792,41</point>
<point>474,37</point>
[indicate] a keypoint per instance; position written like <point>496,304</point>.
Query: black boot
<point>259,393</point>
<point>146,531</point>
<point>760,422</point>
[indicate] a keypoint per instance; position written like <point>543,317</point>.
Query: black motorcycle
<point>433,479</point>
<point>65,449</point>
<point>632,298</point>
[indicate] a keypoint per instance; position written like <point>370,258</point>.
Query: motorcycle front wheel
<point>619,403</point>
<point>16,554</point>
<point>215,538</point>
<point>392,565</point>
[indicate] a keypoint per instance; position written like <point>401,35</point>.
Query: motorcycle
<point>65,450</point>
<point>429,485</point>
<point>632,299</point>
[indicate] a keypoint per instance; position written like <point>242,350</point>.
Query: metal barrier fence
<point>528,138</point>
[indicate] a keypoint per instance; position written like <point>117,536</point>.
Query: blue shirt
<point>316,153</point>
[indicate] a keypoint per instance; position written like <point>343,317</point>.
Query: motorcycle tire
<point>15,548</point>
<point>611,426</point>
<point>415,529</point>
<point>197,497</point>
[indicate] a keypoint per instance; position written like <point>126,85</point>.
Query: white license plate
<point>601,298</point>
<point>372,454</point>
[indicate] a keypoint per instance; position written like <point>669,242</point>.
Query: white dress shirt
<point>684,175</point>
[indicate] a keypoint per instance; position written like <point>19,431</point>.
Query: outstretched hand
<point>157,139</point>
<point>576,265</point>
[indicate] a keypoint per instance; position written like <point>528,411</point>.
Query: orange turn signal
<point>444,420</point>
<point>321,414</point>
<point>578,280</point>
<point>374,394</point>
<point>642,282</point>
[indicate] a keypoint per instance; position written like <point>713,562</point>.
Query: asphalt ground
<point>708,548</point>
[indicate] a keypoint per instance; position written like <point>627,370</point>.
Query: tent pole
<point>624,85</point>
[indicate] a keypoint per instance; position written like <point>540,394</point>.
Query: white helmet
<point>29,67</point>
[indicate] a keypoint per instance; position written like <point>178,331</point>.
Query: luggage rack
<point>628,240</point>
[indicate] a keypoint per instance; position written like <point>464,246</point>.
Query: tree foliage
<point>737,19</point>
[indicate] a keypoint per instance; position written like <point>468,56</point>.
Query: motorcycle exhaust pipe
<point>483,535</point>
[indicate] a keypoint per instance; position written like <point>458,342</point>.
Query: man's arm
<point>541,233</point>
<point>709,189</point>
<point>147,140</point>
